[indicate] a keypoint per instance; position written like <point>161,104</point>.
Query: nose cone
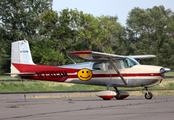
<point>164,70</point>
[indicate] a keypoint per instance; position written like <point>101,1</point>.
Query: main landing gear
<point>121,94</point>
<point>109,94</point>
<point>148,95</point>
<point>118,96</point>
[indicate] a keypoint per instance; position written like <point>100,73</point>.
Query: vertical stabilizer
<point>20,54</point>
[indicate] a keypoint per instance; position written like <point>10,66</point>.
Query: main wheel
<point>106,98</point>
<point>148,95</point>
<point>118,97</point>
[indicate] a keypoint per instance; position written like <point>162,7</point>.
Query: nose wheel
<point>148,95</point>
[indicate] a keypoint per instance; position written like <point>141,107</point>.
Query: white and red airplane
<point>104,70</point>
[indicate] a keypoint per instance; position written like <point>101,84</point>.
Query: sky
<point>119,8</point>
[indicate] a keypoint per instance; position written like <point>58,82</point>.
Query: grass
<point>66,96</point>
<point>155,93</point>
<point>30,86</point>
<point>7,78</point>
<point>169,74</point>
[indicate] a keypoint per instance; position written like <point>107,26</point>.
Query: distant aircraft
<point>108,70</point>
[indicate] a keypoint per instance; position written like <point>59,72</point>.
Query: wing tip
<point>81,52</point>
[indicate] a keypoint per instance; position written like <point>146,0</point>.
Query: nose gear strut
<point>148,95</point>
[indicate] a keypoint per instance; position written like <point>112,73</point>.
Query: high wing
<point>95,56</point>
<point>98,56</point>
<point>142,56</point>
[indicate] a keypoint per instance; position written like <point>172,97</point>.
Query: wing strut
<point>110,60</point>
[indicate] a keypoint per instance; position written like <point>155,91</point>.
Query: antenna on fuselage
<point>71,59</point>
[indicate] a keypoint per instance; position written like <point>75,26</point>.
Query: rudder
<point>20,54</point>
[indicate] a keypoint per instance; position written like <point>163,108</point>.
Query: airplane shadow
<point>132,98</point>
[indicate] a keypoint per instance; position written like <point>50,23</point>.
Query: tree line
<point>52,35</point>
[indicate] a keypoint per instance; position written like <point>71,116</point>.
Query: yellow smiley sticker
<point>84,74</point>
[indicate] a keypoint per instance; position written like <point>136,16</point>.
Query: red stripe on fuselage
<point>129,75</point>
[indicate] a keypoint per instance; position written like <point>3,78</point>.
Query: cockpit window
<point>129,62</point>
<point>107,65</point>
<point>117,63</point>
<point>120,64</point>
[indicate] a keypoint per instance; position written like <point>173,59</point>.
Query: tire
<point>148,95</point>
<point>118,97</point>
<point>106,98</point>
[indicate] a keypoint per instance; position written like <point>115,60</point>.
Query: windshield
<point>129,62</point>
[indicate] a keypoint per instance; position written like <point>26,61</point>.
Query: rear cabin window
<point>98,66</point>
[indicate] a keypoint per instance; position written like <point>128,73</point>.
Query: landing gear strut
<point>118,96</point>
<point>148,95</point>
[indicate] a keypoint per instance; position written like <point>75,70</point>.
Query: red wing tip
<point>81,52</point>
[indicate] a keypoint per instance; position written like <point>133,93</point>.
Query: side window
<point>108,66</point>
<point>98,66</point>
<point>117,63</point>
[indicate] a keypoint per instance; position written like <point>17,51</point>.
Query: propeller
<point>164,70</point>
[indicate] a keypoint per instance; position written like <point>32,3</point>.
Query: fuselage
<point>135,76</point>
<point>103,74</point>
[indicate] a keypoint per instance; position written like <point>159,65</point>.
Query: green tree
<point>4,50</point>
<point>57,38</point>
<point>96,33</point>
<point>72,30</point>
<point>19,20</point>
<point>20,17</point>
<point>148,31</point>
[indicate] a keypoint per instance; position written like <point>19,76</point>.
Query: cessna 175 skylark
<point>108,70</point>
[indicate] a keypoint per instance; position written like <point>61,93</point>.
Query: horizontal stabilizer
<point>21,74</point>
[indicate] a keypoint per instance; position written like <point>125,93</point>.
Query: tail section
<point>20,54</point>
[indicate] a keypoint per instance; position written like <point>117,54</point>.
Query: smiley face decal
<point>84,74</point>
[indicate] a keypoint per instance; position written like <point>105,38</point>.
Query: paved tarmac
<point>14,107</point>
